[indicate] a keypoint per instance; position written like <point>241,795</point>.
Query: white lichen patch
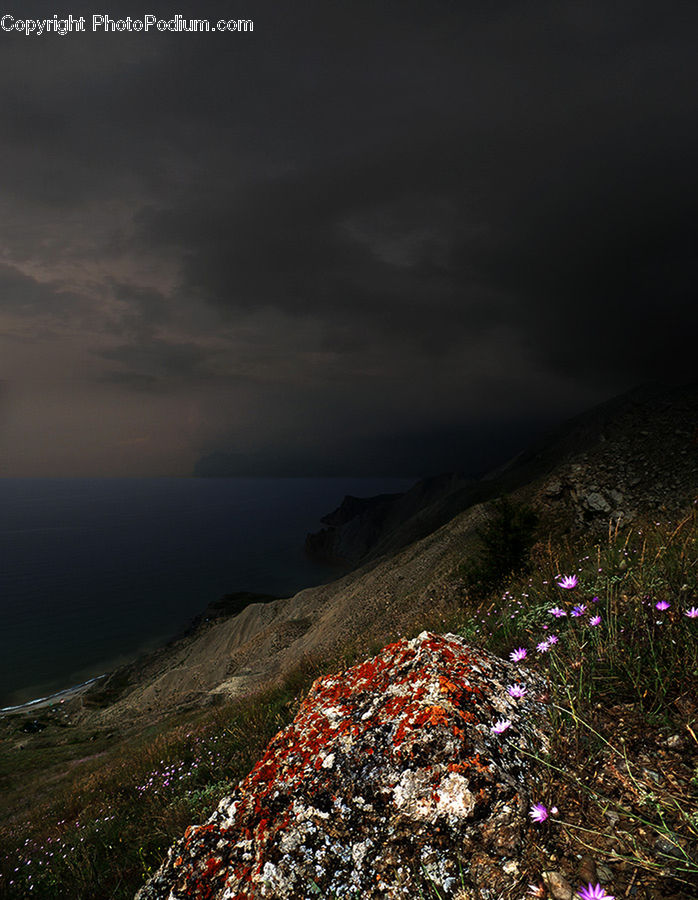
<point>412,794</point>
<point>290,841</point>
<point>454,797</point>
<point>359,851</point>
<point>227,809</point>
<point>271,880</point>
<point>333,712</point>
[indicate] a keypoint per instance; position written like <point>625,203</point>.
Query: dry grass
<point>623,771</point>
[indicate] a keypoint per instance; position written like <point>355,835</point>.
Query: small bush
<point>505,548</point>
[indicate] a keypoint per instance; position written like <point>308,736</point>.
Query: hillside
<point>637,452</point>
<point>641,446</point>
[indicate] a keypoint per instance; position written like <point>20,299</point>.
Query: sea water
<point>95,571</point>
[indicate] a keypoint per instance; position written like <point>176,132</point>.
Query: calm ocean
<point>94,571</point>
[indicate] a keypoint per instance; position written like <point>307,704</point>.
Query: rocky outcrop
<point>352,529</point>
<point>638,451</point>
<point>393,772</point>
<point>645,458</point>
<point>228,605</point>
<point>361,529</point>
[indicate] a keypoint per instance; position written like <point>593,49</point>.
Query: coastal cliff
<point>352,529</point>
<point>358,529</point>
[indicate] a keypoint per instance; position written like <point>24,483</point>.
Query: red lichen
<point>414,701</point>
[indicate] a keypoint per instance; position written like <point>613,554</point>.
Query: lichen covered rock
<point>389,774</point>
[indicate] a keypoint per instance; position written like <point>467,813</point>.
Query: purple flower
<point>517,690</point>
<point>579,610</point>
<point>662,605</point>
<point>594,892</point>
<point>594,599</point>
<point>543,647</point>
<point>501,726</point>
<point>552,639</point>
<point>568,582</point>
<point>557,612</point>
<point>692,613</point>
<point>595,620</point>
<point>538,813</point>
<point>518,655</point>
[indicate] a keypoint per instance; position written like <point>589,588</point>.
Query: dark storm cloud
<point>144,309</point>
<point>27,297</point>
<point>549,183</point>
<point>157,360</point>
<point>345,245</point>
<point>386,216</point>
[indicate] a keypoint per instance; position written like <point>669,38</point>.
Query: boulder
<point>596,502</point>
<point>390,777</point>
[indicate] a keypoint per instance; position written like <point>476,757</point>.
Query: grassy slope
<point>623,772</point>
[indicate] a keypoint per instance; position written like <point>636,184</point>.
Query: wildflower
<point>543,647</point>
<point>594,599</point>
<point>552,639</point>
<point>579,610</point>
<point>501,726</point>
<point>661,605</point>
<point>518,655</point>
<point>692,613</point>
<point>594,892</point>
<point>595,620</point>
<point>538,813</point>
<point>517,690</point>
<point>537,890</point>
<point>557,612</point>
<point>568,582</point>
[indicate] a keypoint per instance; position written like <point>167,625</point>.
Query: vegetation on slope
<point>614,627</point>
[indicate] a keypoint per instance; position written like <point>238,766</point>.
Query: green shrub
<point>505,548</point>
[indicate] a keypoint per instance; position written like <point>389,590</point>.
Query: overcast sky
<point>368,237</point>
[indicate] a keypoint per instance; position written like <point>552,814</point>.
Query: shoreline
<point>68,693</point>
<point>283,522</point>
<point>228,605</point>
